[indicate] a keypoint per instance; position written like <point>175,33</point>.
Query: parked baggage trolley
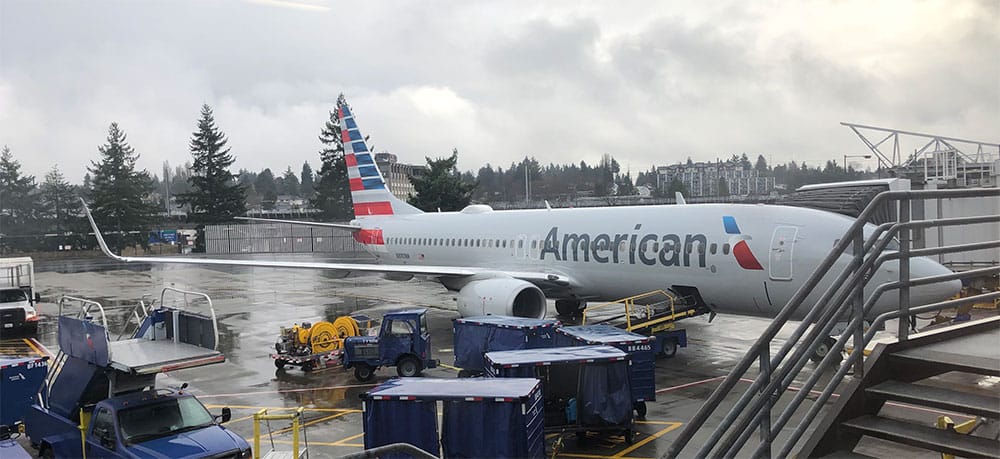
<point>586,388</point>
<point>642,358</point>
<point>475,336</point>
<point>481,417</point>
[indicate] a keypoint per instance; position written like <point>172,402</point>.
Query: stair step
<point>925,437</point>
<point>936,397</point>
<point>977,353</point>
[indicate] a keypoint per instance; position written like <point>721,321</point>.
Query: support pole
<point>903,330</point>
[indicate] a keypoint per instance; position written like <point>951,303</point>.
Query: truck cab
<point>17,295</point>
<point>403,341</point>
<point>105,391</point>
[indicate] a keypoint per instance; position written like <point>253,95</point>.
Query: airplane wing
<point>542,279</point>
<point>342,226</point>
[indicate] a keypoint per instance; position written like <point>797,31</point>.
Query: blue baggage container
<point>642,366</point>
<point>482,417</point>
<point>475,336</point>
<point>586,388</point>
<point>20,379</point>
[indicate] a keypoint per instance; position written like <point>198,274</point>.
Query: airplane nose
<point>932,293</point>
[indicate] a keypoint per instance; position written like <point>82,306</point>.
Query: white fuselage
<point>615,252</point>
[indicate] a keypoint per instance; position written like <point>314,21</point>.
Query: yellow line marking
<point>352,437</point>
<point>445,365</point>
<point>244,418</point>
<point>596,456</point>
<point>282,408</point>
<point>307,424</point>
<point>321,443</point>
<point>32,346</point>
<point>639,444</point>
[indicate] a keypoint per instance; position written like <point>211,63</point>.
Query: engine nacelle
<point>501,296</point>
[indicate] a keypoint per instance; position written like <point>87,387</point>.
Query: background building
<point>703,179</point>
<point>397,175</point>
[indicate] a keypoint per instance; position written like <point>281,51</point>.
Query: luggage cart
<point>475,336</point>
<point>585,388</point>
<point>480,417</point>
<point>642,359</point>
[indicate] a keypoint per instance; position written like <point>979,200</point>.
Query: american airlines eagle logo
<point>741,250</point>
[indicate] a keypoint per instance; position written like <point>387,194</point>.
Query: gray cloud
<point>564,81</point>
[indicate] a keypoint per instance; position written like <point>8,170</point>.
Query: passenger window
<point>725,249</point>
<point>520,244</point>
<point>712,248</point>
<point>534,244</point>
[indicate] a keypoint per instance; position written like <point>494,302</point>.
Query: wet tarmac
<point>253,303</point>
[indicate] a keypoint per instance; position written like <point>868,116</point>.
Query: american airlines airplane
<point>731,258</point>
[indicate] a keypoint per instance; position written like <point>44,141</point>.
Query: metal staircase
<point>862,384</point>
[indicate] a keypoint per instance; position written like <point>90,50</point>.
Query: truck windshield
<point>168,417</point>
<point>12,296</point>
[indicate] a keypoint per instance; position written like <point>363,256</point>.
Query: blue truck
<point>479,417</point>
<point>403,341</point>
<point>475,336</point>
<point>20,378</point>
<point>642,358</point>
<point>100,400</point>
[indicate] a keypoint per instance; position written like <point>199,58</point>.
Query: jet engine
<point>501,296</point>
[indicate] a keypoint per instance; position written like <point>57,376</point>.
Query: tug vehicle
<point>311,345</point>
<point>403,341</point>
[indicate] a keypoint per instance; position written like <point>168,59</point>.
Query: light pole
<point>854,156</point>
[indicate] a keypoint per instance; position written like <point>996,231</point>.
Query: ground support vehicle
<point>20,379</point>
<point>480,417</point>
<point>642,359</point>
<point>99,398</point>
<point>654,314</point>
<point>18,299</point>
<point>475,336</point>
<point>320,344</point>
<point>402,341</point>
<point>585,388</point>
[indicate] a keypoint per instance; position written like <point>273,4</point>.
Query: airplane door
<point>782,248</point>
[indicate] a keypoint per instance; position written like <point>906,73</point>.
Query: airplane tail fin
<point>368,189</point>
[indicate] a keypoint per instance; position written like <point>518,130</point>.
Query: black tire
<point>31,328</point>
<point>279,364</point>
<point>409,366</point>
<point>308,366</point>
<point>669,347</point>
<point>464,374</point>
<point>640,410</point>
<point>568,307</point>
<point>363,372</point>
<point>824,349</point>
<point>629,436</point>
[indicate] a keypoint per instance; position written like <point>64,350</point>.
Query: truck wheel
<point>32,328</point>
<point>408,366</point>
<point>669,347</point>
<point>824,348</point>
<point>308,366</point>
<point>640,410</point>
<point>279,364</point>
<point>363,372</point>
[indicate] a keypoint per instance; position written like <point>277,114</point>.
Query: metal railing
<point>296,428</point>
<point>844,298</point>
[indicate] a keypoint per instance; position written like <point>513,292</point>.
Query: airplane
<point>744,259</point>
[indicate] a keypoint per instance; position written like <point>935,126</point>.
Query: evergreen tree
<point>59,201</point>
<point>215,195</point>
<point>17,199</point>
<point>761,165</point>
<point>441,186</point>
<point>289,183</point>
<point>266,188</point>
<point>676,185</point>
<point>119,194</point>
<point>333,191</point>
<point>306,181</point>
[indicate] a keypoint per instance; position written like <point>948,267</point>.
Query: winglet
<point>97,233</point>
<point>680,198</point>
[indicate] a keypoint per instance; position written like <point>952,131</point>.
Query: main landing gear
<point>570,307</point>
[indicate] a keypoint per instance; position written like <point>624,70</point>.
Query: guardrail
<point>844,297</point>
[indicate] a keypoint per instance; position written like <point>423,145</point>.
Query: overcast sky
<point>648,82</point>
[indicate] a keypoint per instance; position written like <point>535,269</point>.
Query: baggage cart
<point>585,388</point>
<point>20,379</point>
<point>642,358</point>
<point>481,417</point>
<point>475,336</point>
